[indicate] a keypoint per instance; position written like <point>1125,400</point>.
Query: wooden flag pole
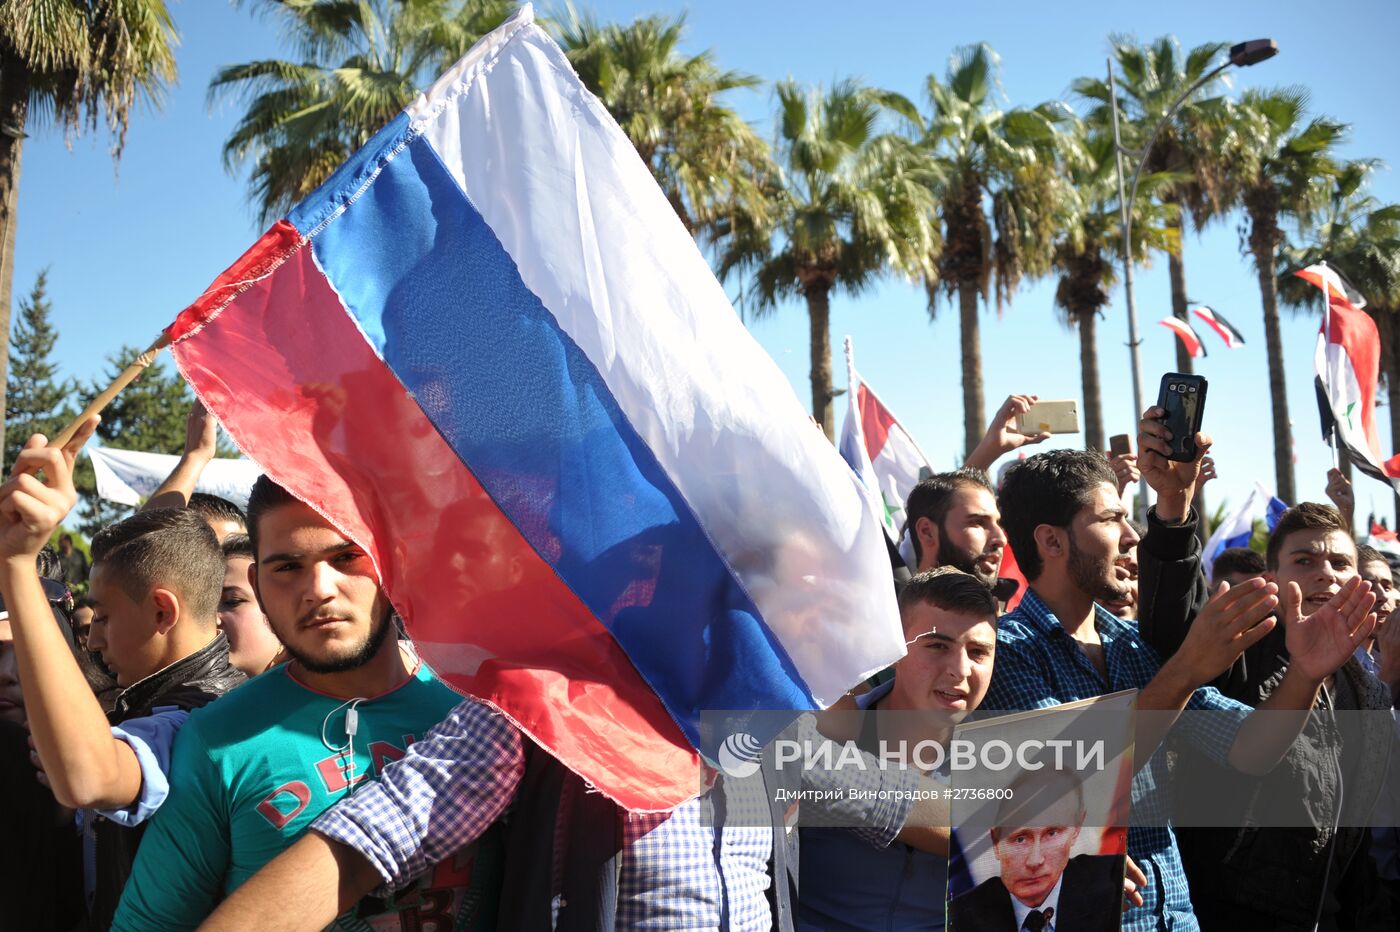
<point>128,375</point>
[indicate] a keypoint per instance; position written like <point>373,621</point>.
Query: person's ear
<point>166,609</point>
<point>1051,542</point>
<point>253,584</point>
<point>927,533</point>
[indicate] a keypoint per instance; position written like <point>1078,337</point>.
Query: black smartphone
<point>1183,397</point>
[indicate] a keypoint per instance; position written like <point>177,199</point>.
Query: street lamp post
<point>1243,54</point>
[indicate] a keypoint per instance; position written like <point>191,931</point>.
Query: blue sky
<point>128,246</point>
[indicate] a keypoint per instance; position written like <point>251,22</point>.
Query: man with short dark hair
<point>952,520</point>
<point>74,562</point>
<point>1235,565</point>
<point>1067,524</point>
<point>850,883</point>
<point>222,515</point>
<point>155,588</point>
<point>1331,877</point>
<point>252,772</point>
<point>252,645</point>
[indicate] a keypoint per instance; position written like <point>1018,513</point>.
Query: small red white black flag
<point>1217,322</point>
<point>1189,339</point>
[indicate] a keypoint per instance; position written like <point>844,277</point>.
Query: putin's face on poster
<point>1033,859</point>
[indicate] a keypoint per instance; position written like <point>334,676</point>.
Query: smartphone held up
<point>1183,398</point>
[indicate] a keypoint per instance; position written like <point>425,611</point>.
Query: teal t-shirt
<point>249,775</point>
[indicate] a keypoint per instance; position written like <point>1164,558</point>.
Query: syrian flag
<point>879,449</point>
<point>1217,322</point>
<point>1347,362</point>
<point>1383,539</point>
<point>1188,337</point>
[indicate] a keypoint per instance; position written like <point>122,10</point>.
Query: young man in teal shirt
<point>251,772</point>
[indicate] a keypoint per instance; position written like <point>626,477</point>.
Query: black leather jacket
<point>1275,877</point>
<point>188,683</point>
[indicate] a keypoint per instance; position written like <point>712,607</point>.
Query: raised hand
<point>1125,470</point>
<point>1339,491</point>
<point>1233,619</point>
<point>32,507</point>
<point>201,433</point>
<point>1207,471</point>
<point>1174,482</point>
<point>1321,642</point>
<point>1002,435</point>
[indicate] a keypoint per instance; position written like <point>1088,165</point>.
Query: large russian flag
<point>488,351</point>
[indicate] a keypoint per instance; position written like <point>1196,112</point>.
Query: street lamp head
<point>1253,52</point>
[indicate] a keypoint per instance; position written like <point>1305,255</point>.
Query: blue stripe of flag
<point>522,406</point>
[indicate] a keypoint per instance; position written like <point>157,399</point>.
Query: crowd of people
<point>233,730</point>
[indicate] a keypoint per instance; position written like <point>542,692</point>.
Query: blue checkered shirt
<point>1038,664</point>
<point>459,778</point>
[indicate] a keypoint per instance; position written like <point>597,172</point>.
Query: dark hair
<point>266,495</point>
<point>1048,488</point>
<point>238,545</point>
<point>48,565</point>
<point>951,590</point>
<point>1237,560</point>
<point>933,496</point>
<point>212,508</point>
<point>1305,516</point>
<point>84,602</point>
<point>170,546</point>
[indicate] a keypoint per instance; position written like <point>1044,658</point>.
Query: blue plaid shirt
<point>458,779</point>
<point>1038,664</point>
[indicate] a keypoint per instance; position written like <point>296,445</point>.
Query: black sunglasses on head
<point>55,592</point>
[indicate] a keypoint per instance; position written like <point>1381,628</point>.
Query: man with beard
<point>953,521</point>
<point>1067,524</point>
<point>252,772</point>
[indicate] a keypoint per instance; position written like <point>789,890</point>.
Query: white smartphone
<point>1055,417</point>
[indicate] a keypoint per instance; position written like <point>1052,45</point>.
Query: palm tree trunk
<point>1278,390</point>
<point>819,316</point>
<point>973,421</point>
<point>1177,269</point>
<point>14,109</point>
<point>1089,378</point>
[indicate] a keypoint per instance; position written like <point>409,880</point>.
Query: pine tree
<point>148,415</point>
<point>36,400</point>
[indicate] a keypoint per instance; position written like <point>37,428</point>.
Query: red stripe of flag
<point>875,420</point>
<point>1188,337</point>
<point>321,412</point>
<point>1220,325</point>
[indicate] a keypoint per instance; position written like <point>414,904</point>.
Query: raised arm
<point>1318,644</point>
<point>84,764</point>
<point>201,443</point>
<point>1002,436</point>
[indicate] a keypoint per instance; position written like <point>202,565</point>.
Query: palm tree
<point>77,63</point>
<point>1151,78</point>
<point>855,201</point>
<point>1087,246</point>
<point>1282,164</point>
<point>707,160</point>
<point>990,160</point>
<point>358,65</point>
